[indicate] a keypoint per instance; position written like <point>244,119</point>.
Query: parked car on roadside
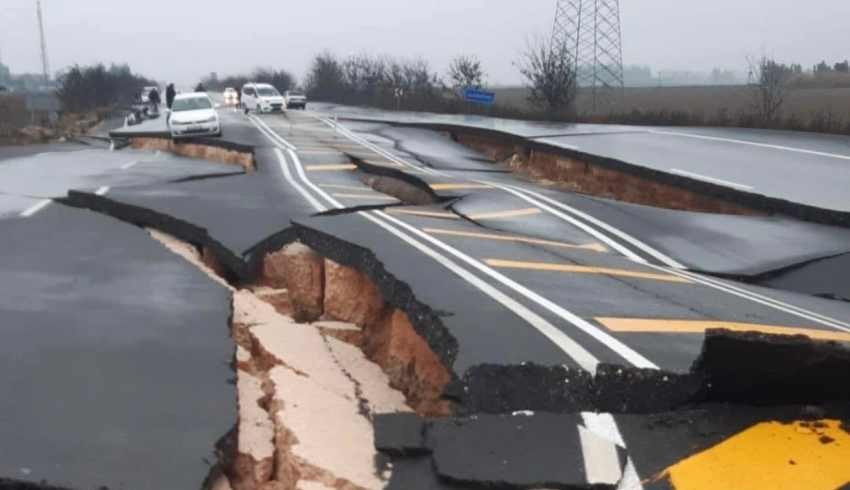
<point>261,97</point>
<point>295,99</point>
<point>193,114</point>
<point>231,97</point>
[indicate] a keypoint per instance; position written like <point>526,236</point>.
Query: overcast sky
<point>181,40</point>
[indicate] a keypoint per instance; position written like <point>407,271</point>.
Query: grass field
<point>805,104</point>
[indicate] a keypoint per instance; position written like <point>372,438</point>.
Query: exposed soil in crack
<point>573,173</point>
<point>306,398</point>
<point>405,187</point>
<point>230,154</point>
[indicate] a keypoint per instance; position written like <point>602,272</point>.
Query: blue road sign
<point>479,96</point>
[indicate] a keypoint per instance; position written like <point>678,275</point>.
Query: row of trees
<point>86,88</point>
<point>280,79</point>
<point>383,81</point>
<point>823,67</point>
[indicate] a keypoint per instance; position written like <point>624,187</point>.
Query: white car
<point>193,114</point>
<point>231,97</point>
<point>261,97</point>
<point>295,100</point>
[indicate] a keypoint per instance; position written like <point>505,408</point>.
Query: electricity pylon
<point>590,31</point>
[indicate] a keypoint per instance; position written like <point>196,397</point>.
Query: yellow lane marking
<point>596,247</point>
<point>770,456</point>
<point>580,269</point>
<point>365,196</point>
<point>655,325</point>
<point>505,214</point>
<point>460,186</point>
<point>428,214</point>
<point>328,168</point>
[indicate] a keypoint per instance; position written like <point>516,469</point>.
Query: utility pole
<point>44,66</point>
<point>590,31</point>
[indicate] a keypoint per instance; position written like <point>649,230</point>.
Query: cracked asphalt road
<point>517,273</point>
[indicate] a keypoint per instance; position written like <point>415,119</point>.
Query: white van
<point>261,97</point>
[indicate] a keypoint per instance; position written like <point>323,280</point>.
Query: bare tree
<point>465,72</point>
<point>769,83</point>
<point>550,73</point>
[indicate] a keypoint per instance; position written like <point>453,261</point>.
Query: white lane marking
<point>603,337</point>
<point>128,165</point>
<point>601,458</point>
<point>579,354</point>
<point>631,479</point>
<point>35,208</point>
<point>578,224</point>
<point>705,281</point>
<point>550,141</point>
<point>669,261</point>
<point>713,180</point>
<point>570,347</point>
<point>284,166</point>
<point>753,143</point>
<point>604,425</point>
<point>371,146</point>
<point>709,282</point>
<point>272,133</point>
<point>571,318</point>
<point>102,190</point>
<point>766,298</point>
<point>761,299</point>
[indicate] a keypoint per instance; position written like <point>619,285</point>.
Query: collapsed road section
<point>388,327</point>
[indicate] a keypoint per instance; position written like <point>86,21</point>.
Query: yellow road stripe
<point>328,168</point>
<point>459,186</point>
<point>655,325</point>
<point>543,266</point>
<point>770,456</point>
<point>365,196</point>
<point>596,247</point>
<point>428,214</point>
<point>505,214</point>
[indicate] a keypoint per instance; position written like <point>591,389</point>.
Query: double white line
<point>601,460</point>
<point>624,243</point>
<point>451,258</point>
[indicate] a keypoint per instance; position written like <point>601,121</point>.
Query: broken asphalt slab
<point>733,367</point>
<point>52,174</point>
<point>511,451</point>
<point>117,352</point>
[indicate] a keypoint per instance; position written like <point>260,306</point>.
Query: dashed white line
<point>35,208</point>
<point>712,180</point>
<point>129,165</point>
<point>752,143</point>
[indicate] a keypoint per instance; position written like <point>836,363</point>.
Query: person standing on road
<point>170,93</point>
<point>153,97</point>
